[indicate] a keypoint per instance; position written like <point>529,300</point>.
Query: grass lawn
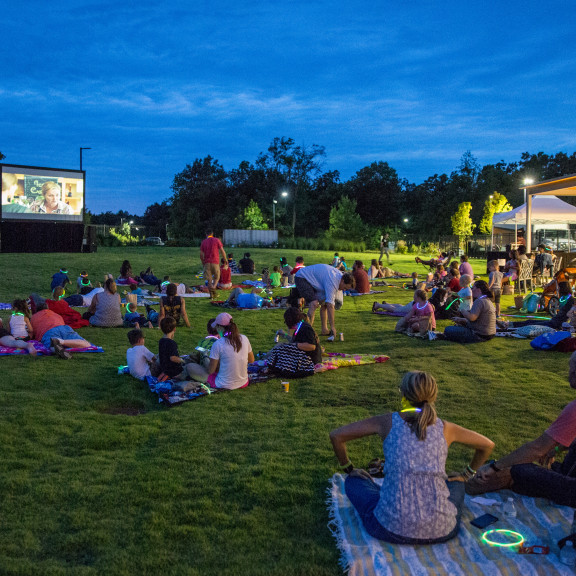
<point>234,483</point>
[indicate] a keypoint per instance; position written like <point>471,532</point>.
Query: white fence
<point>250,237</point>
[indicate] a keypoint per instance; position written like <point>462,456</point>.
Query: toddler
<point>83,281</point>
<point>465,293</point>
<point>20,326</point>
<point>139,359</point>
<point>495,283</point>
<point>276,277</point>
<point>133,318</point>
<point>225,281</point>
<point>60,279</point>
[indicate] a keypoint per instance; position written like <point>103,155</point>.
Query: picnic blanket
<point>42,350</point>
<point>348,293</point>
<point>194,295</point>
<point>5,306</point>
<point>175,393</point>
<point>538,521</point>
<point>335,360</point>
<point>70,316</point>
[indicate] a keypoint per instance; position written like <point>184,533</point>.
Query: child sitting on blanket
<point>420,319</point>
<point>138,358</point>
<point>201,354</point>
<point>276,277</point>
<point>232,264</point>
<point>83,282</point>
<point>6,339</point>
<point>20,326</point>
<point>133,318</point>
<point>465,293</point>
<point>225,282</point>
<point>171,364</point>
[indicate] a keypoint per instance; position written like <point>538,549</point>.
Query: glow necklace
<point>505,533</point>
<point>165,283</point>
<point>421,307</point>
<point>63,271</point>
<point>17,314</point>
<point>411,410</point>
<point>83,283</point>
<point>298,327</point>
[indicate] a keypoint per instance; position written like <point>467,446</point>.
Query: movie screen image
<point>42,194</point>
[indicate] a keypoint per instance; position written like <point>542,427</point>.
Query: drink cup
<point>286,386</point>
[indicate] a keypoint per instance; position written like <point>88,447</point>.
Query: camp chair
<point>433,262</point>
<point>524,276</point>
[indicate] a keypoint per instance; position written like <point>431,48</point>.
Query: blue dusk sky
<point>150,86</point>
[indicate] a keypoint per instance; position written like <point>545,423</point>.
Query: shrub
<point>401,247</point>
<point>414,249</point>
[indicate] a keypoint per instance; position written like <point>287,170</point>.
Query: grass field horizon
<point>99,478</point>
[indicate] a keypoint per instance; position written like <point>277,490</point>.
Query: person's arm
<point>250,357</point>
<point>376,425</point>
<point>183,312</point>
<point>29,328</point>
<point>536,450</point>
<point>213,366</point>
<point>201,256</point>
<point>482,445</point>
<point>306,346</point>
<point>162,311</point>
<point>223,252</point>
<point>469,314</point>
<point>177,360</point>
<point>94,303</point>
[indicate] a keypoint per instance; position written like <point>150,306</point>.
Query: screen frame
<point>45,171</point>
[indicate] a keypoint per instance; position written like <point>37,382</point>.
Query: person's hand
<point>548,458</point>
<point>484,473</point>
<point>456,477</point>
<point>459,320</point>
<point>360,473</point>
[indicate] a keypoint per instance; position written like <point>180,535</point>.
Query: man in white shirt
<point>321,285</point>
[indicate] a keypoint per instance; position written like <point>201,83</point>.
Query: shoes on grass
<point>59,350</point>
<point>330,337</point>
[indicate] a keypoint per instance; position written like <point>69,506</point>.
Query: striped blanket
<point>538,521</point>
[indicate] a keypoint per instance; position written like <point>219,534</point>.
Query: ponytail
<point>420,390</point>
<point>233,336</point>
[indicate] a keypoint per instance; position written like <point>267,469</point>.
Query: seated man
<point>516,471</point>
<point>543,261</point>
<point>50,329</point>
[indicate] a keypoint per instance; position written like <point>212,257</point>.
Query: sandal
<point>60,350</point>
<point>376,468</point>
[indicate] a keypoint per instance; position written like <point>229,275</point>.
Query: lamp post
<point>81,155</point>
<point>527,182</point>
<point>274,202</point>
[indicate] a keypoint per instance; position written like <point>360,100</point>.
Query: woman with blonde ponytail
<point>417,503</point>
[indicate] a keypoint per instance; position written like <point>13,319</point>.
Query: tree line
<point>286,186</point>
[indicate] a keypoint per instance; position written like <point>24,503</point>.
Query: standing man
<point>319,285</point>
<point>384,244</point>
<point>210,251</point>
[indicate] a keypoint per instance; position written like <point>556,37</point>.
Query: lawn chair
<point>443,258</point>
<point>524,276</point>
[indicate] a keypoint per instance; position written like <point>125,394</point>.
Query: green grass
<point>230,484</point>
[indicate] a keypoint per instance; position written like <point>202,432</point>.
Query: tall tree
<point>199,198</point>
<point>378,193</point>
<point>498,203</point>
<point>252,218</point>
<point>345,222</point>
<point>462,225</point>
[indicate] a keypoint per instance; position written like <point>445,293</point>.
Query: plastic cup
<point>286,386</point>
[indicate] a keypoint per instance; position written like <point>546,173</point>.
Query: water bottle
<point>568,554</point>
<point>509,509</point>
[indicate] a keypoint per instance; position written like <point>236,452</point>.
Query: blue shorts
<point>62,332</point>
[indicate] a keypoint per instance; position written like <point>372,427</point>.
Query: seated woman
<point>126,275</point>
<point>173,305</point>
<point>105,310</point>
<point>374,271</point>
<point>229,356</point>
<point>298,358</point>
<point>443,258</point>
<point>417,503</point>
<point>511,268</point>
<point>478,324</point>
<point>147,276</point>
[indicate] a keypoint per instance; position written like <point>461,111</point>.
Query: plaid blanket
<point>538,521</point>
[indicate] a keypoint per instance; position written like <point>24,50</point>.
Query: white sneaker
<point>330,338</point>
<point>432,335</point>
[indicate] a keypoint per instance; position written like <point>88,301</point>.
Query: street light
<point>81,155</point>
<point>527,182</point>
<point>274,202</point>
<point>405,220</point>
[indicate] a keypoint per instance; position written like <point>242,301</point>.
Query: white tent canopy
<point>545,210</point>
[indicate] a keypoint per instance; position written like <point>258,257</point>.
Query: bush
<point>414,249</point>
<point>401,247</point>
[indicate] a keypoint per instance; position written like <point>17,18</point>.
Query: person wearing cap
<point>229,356</point>
<point>320,285</point>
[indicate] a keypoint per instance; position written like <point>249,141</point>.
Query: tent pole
<point>529,223</point>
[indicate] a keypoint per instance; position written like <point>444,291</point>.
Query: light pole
<point>274,202</point>
<point>527,182</point>
<point>81,155</point>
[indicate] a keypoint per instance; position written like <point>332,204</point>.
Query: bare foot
<point>31,350</point>
<point>137,325</point>
<point>150,325</point>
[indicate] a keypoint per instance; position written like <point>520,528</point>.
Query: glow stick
<point>505,533</point>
